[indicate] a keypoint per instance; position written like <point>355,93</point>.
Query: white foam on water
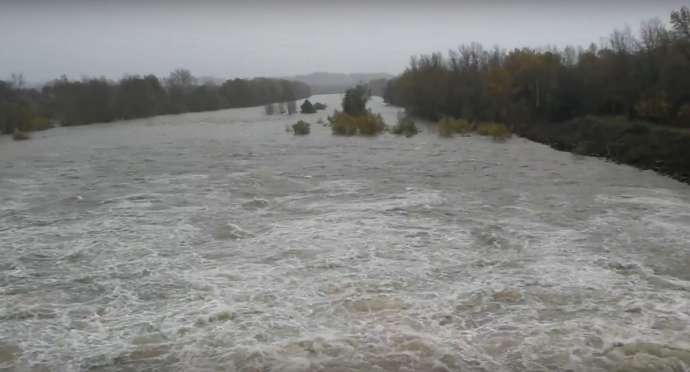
<point>212,250</point>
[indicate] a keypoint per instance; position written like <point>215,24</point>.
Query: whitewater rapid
<point>219,242</point>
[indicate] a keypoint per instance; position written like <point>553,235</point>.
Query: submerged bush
<point>301,128</point>
<point>447,127</point>
<point>20,136</point>
<point>308,108</point>
<point>39,123</point>
<point>369,124</point>
<point>497,131</point>
<point>405,126</point>
<point>319,106</point>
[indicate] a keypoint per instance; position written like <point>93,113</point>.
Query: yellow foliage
<point>498,131</point>
<point>343,124</point>
<point>653,108</point>
<point>447,127</point>
<point>39,123</point>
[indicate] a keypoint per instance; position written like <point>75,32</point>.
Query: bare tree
<point>17,81</point>
<point>680,19</point>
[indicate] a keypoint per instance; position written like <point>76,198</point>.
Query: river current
<point>219,242</point>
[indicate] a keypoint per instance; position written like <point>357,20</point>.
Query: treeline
<point>86,101</point>
<point>643,77</point>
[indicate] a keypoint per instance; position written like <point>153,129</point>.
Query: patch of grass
<point>343,124</point>
<point>497,131</point>
<point>301,128</point>
<point>405,126</point>
<point>447,127</point>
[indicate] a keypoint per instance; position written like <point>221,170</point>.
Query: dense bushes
<point>641,144</point>
<point>355,119</point>
<point>405,126</point>
<point>344,124</point>
<point>448,127</point>
<point>301,128</point>
<point>496,131</point>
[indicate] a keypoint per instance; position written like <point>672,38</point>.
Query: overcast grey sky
<point>44,39</point>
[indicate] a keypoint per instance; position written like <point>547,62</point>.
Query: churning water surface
<point>219,242</point>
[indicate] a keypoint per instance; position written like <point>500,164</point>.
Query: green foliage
<point>344,124</point>
<point>447,127</point>
<point>355,101</point>
<point>301,128</point>
<point>405,126</point>
<point>307,108</point>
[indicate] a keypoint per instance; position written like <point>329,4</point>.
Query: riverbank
<point>643,145</point>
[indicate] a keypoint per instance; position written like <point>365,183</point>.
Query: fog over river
<point>219,242</point>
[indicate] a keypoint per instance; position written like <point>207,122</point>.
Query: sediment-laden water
<point>219,242</point>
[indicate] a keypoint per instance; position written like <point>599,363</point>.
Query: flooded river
<point>219,242</point>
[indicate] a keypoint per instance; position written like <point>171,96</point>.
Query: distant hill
<point>326,82</point>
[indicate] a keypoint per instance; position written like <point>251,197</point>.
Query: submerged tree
<point>307,107</point>
<point>292,107</point>
<point>355,101</point>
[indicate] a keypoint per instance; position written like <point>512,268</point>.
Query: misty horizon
<point>245,40</point>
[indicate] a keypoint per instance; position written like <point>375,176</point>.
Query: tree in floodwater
<point>269,109</point>
<point>355,101</point>
<point>307,107</point>
<point>637,77</point>
<point>292,107</point>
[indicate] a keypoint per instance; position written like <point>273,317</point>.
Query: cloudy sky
<point>45,39</point>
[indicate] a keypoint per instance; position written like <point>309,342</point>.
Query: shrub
<point>301,128</point>
<point>498,131</point>
<point>20,136</point>
<point>39,123</point>
<point>405,126</point>
<point>343,124</point>
<point>655,109</point>
<point>319,106</point>
<point>447,127</point>
<point>308,108</point>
